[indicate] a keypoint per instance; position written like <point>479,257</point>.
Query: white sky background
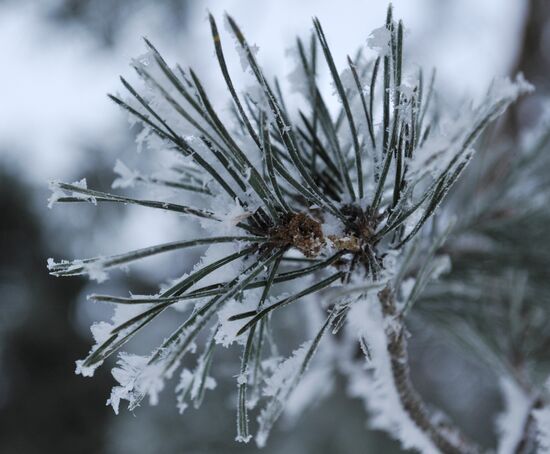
<point>54,79</point>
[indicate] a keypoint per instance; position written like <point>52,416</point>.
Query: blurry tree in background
<point>103,18</point>
<point>42,407</point>
<point>533,60</point>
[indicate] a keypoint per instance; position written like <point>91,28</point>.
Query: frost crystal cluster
<point>292,204</point>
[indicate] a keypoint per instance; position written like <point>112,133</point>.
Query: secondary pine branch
<point>445,435</point>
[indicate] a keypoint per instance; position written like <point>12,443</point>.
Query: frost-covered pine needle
<point>327,204</point>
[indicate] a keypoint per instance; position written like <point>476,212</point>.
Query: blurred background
<point>59,58</point>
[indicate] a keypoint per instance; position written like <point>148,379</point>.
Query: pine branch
<point>321,206</point>
<point>445,435</point>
